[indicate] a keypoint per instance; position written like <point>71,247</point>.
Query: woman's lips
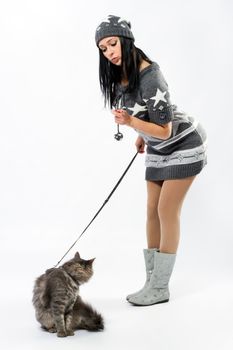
<point>115,59</point>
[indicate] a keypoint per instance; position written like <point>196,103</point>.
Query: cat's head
<point>81,270</point>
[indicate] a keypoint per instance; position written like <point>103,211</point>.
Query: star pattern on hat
<point>159,96</point>
<point>121,20</point>
<point>107,20</point>
<point>113,26</point>
<point>111,18</point>
<point>137,108</point>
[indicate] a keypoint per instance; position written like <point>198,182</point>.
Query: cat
<point>58,305</point>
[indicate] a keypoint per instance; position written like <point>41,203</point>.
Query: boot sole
<point>158,302</point>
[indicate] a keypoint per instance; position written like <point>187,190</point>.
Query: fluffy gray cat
<point>59,307</point>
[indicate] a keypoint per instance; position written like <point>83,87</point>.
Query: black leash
<point>105,202</point>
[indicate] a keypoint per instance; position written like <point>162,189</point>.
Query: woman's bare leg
<point>169,208</point>
<point>164,205</point>
<point>153,223</point>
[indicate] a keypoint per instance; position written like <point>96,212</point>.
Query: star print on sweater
<point>137,109</point>
<point>183,154</point>
<point>159,96</point>
<point>151,101</point>
<point>154,92</point>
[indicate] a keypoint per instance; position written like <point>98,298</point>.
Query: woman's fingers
<point>140,144</point>
<point>140,148</point>
<point>121,116</point>
<point>119,120</point>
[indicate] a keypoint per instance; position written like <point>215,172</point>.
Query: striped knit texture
<point>184,153</point>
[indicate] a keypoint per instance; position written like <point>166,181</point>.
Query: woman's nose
<point>110,51</point>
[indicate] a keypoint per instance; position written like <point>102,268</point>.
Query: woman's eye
<point>111,44</point>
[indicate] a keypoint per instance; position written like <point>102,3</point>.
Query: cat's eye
<point>83,264</point>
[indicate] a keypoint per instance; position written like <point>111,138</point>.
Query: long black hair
<point>110,75</point>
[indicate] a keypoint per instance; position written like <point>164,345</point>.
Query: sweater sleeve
<point>154,92</point>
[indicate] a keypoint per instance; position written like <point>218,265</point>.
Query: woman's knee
<point>168,212</point>
<point>153,194</point>
<point>152,211</point>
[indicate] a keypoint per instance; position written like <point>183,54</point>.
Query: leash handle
<point>97,213</point>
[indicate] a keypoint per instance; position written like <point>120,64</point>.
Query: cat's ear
<point>90,262</point>
<point>77,256</point>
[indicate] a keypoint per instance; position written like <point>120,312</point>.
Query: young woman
<point>135,89</point>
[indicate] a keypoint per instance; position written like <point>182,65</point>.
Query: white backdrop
<point>59,159</point>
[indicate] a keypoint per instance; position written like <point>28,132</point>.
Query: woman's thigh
<point>172,195</point>
<point>153,195</point>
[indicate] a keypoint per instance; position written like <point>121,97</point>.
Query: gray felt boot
<point>157,289</point>
<point>149,264</point>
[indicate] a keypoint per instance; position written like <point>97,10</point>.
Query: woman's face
<point>111,49</point>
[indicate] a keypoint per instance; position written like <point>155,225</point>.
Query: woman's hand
<point>122,117</point>
<point>140,144</point>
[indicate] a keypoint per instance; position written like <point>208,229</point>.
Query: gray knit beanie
<point>113,26</point>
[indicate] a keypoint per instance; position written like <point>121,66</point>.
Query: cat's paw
<point>52,330</point>
<point>70,332</point>
<point>61,334</point>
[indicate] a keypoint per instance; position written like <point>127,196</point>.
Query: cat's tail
<point>44,299</point>
<point>40,298</point>
<point>85,317</point>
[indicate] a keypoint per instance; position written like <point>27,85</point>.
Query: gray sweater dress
<point>184,153</point>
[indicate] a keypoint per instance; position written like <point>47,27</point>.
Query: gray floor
<point>198,316</point>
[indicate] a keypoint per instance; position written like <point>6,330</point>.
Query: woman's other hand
<point>140,144</point>
<point>122,117</point>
